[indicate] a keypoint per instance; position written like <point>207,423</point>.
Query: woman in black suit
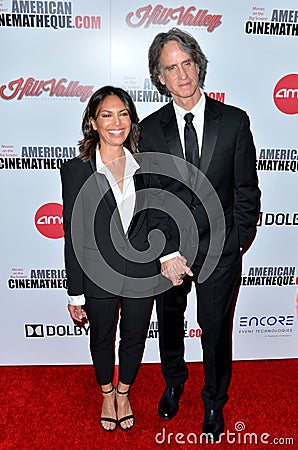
<point>105,226</point>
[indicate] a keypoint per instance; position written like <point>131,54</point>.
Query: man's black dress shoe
<point>169,402</point>
<point>213,423</point>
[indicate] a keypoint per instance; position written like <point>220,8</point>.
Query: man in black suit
<point>216,139</point>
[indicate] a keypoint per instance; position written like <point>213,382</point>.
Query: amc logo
<point>48,220</point>
<point>34,330</point>
<point>285,94</point>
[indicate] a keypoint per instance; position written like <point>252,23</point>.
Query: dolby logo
<point>35,330</point>
<point>39,330</point>
<point>278,219</point>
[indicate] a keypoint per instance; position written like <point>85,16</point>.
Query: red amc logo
<point>48,220</point>
<point>285,94</point>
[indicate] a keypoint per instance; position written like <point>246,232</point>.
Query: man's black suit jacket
<point>228,161</point>
<point>100,259</point>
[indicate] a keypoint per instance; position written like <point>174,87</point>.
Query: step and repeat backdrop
<point>54,55</point>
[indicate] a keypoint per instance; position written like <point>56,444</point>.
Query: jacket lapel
<point>171,133</point>
<point>136,221</point>
<point>212,121</point>
<point>106,193</point>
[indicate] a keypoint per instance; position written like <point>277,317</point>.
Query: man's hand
<point>175,269</point>
<point>78,314</point>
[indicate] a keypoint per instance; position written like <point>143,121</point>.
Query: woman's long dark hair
<point>88,144</point>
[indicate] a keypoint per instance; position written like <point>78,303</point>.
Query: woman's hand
<point>77,312</point>
<point>175,269</point>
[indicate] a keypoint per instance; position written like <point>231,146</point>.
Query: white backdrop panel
<point>108,45</point>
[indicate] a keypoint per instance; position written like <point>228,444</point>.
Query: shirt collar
<point>131,165</point>
<point>197,110</point>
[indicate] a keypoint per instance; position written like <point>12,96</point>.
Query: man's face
<point>179,73</point>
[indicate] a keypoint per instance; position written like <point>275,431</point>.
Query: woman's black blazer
<point>100,259</point>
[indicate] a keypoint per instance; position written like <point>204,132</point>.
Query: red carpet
<point>58,408</point>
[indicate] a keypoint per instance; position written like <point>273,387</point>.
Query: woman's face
<point>112,121</point>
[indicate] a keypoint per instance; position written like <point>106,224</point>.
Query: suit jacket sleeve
<point>70,178</point>
<point>247,193</point>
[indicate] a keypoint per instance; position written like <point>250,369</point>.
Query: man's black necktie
<point>191,141</point>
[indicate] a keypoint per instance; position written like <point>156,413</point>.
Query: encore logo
<point>285,94</point>
<point>48,220</point>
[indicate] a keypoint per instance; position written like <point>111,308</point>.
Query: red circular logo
<point>285,94</point>
<point>48,220</point>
